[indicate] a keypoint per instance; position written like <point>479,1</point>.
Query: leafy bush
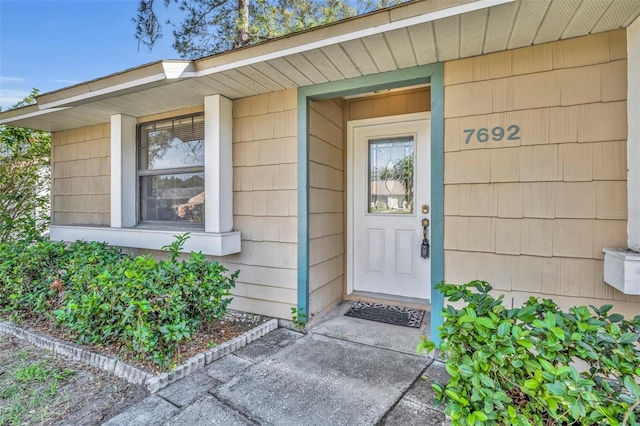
<point>536,364</point>
<point>32,275</point>
<point>25,180</point>
<point>147,305</point>
<point>102,296</point>
<point>26,273</point>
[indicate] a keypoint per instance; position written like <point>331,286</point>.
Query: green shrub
<point>32,276</point>
<point>148,306</point>
<point>25,181</point>
<point>26,274</point>
<point>140,304</point>
<point>522,366</point>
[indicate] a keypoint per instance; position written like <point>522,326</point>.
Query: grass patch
<point>30,392</point>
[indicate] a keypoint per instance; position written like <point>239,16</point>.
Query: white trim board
<point>402,23</point>
<point>214,244</point>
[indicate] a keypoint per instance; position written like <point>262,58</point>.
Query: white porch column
<point>218,171</point>
<point>633,141</point>
<point>123,171</point>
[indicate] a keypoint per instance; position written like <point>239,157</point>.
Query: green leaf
<point>452,394</point>
<point>503,329</point>
<point>550,319</point>
<point>526,314</point>
<point>452,370</point>
<point>559,333</point>
<point>631,385</point>
<point>487,381</point>
<point>465,370</point>
<point>547,366</point>
<point>629,338</point>
<point>606,338</point>
<point>616,317</point>
<point>425,345</point>
<point>525,343</point>
<point>465,319</point>
<point>481,416</point>
<point>576,336</point>
<point>531,384</point>
<point>471,418</point>
<point>556,388</point>
<point>486,322</point>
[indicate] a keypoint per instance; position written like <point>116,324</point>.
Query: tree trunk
<point>242,39</point>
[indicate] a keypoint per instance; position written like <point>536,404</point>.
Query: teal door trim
<point>434,74</point>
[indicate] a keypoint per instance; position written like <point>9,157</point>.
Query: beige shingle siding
<point>394,103</point>
<point>532,215</point>
<point>81,181</point>
<point>265,182</point>
<point>326,204</point>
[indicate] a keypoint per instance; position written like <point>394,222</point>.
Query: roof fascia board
<point>18,112</point>
<point>348,36</point>
<point>105,91</point>
<point>164,70</point>
<point>102,82</point>
<point>179,69</point>
<point>33,113</point>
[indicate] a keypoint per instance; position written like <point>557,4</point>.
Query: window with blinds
<point>171,171</point>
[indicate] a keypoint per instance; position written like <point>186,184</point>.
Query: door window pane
<point>391,176</point>
<point>172,198</point>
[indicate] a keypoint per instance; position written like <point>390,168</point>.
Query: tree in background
<point>24,181</point>
<point>214,26</point>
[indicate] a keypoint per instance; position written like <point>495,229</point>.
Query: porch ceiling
<point>414,34</point>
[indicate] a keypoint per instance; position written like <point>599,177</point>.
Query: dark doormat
<point>396,315</point>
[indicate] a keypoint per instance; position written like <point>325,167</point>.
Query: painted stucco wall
<point>326,204</point>
<point>80,176</point>
<point>531,215</point>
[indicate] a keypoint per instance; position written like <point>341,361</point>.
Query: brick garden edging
<point>127,372</point>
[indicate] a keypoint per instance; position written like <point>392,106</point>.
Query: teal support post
<point>437,198</point>
<point>303,204</point>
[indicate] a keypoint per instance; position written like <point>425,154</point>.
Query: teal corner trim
<point>437,198</point>
<point>303,204</point>
<point>434,74</point>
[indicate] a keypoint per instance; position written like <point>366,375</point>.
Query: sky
<point>51,44</point>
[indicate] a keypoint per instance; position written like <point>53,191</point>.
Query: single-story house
<point>512,126</point>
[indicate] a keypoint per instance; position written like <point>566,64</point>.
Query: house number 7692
<point>497,134</point>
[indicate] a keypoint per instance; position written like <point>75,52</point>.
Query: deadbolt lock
<point>425,209</point>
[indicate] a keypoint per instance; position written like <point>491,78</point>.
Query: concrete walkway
<point>344,371</point>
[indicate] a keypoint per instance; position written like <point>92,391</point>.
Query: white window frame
<point>140,172</point>
<point>218,238</point>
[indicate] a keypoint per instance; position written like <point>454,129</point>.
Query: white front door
<point>388,191</point>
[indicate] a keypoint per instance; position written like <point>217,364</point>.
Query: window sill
<point>622,270</point>
<point>214,244</point>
